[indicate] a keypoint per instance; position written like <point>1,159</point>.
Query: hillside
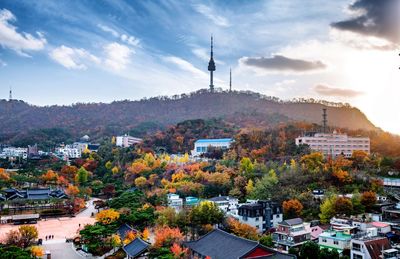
<point>19,120</point>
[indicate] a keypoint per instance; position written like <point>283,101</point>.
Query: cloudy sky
<point>63,52</point>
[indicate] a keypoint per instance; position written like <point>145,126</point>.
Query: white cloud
<point>210,14</point>
<point>73,58</point>
<point>186,66</point>
<point>117,56</point>
<point>108,29</point>
<point>131,40</point>
<point>19,42</point>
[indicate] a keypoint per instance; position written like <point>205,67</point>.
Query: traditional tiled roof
<point>219,244</point>
<point>123,229</point>
<point>136,247</point>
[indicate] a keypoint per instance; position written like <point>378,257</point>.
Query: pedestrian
<point>79,224</point>
<point>46,238</point>
<point>52,236</point>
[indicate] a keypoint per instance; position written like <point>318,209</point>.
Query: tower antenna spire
<point>211,66</point>
<point>324,119</point>
<point>230,79</point>
<point>10,95</point>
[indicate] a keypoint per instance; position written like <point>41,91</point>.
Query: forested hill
<point>19,119</point>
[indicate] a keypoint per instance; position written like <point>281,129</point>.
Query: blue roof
<point>136,247</point>
<point>213,140</point>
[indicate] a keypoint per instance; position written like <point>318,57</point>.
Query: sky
<point>64,52</point>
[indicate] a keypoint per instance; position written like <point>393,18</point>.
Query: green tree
<point>265,186</point>
<point>358,208</point>
<point>246,167</point>
<point>309,250</point>
<point>266,240</point>
<point>13,252</point>
<point>326,253</point>
<point>206,212</point>
<point>82,175</point>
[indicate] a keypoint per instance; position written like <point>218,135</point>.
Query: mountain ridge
<point>18,118</point>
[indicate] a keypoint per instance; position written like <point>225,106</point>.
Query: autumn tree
<point>166,237</point>
<point>129,237</point>
<point>327,209</point>
<point>24,237</point>
<point>37,251</point>
<point>72,190</point>
<point>178,251</point>
<point>265,186</point>
<point>313,162</point>
<point>246,167</point>
<point>368,199</point>
<point>292,208</point>
<point>106,217</point>
<point>242,229</point>
<point>140,182</point>
<point>82,176</point>
<point>343,206</point>
<point>49,176</point>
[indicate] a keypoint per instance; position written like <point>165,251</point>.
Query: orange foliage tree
<point>292,208</point>
<point>178,251</point>
<point>166,236</point>
<point>49,176</point>
<point>242,229</point>
<point>368,199</point>
<point>343,206</point>
<point>72,190</point>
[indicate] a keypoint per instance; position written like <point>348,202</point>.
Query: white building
<point>335,144</point>
<point>334,240</point>
<point>14,152</point>
<point>201,146</point>
<point>227,204</point>
<point>372,248</point>
<point>127,141</point>
<point>174,201</point>
<point>262,215</point>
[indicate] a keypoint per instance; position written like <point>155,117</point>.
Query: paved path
<point>61,228</point>
<point>61,250</point>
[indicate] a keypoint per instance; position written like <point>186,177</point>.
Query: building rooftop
<point>292,222</point>
<point>335,235</point>
<point>136,247</point>
<point>214,140</point>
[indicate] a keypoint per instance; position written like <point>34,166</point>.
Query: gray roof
<point>123,229</point>
<point>291,222</point>
<point>219,244</point>
<point>221,198</point>
<point>136,247</point>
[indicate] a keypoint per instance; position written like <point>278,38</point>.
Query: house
<point>227,204</point>
<point>191,201</point>
<point>382,227</point>
<point>261,214</point>
<point>333,239</point>
<point>291,233</point>
<point>127,141</point>
<point>371,248</point>
<point>201,146</point>
<point>136,249</point>
<point>219,244</point>
<point>334,144</point>
<point>174,201</point>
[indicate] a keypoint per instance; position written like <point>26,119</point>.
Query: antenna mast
<point>324,119</point>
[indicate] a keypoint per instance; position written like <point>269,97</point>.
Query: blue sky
<point>63,52</point>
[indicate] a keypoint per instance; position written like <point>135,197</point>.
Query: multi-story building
<point>227,204</point>
<point>334,240</point>
<point>262,215</point>
<point>372,248</point>
<point>291,233</point>
<point>69,151</point>
<point>14,152</point>
<point>127,141</point>
<point>335,144</point>
<point>201,146</point>
<point>174,201</point>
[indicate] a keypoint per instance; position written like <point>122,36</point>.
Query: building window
<point>356,256</point>
<point>356,247</point>
<point>335,242</point>
<point>324,240</point>
<point>198,149</point>
<point>257,219</point>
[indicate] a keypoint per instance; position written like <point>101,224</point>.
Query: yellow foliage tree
<point>146,234</point>
<point>106,217</point>
<point>140,182</point>
<point>37,251</point>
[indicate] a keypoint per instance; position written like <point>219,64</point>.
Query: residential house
<point>219,244</point>
<point>383,228</point>
<point>261,214</point>
<point>371,248</point>
<point>227,204</point>
<point>291,233</point>
<point>333,239</point>
<point>174,201</point>
<point>191,201</point>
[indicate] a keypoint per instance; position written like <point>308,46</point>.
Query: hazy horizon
<point>66,52</point>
